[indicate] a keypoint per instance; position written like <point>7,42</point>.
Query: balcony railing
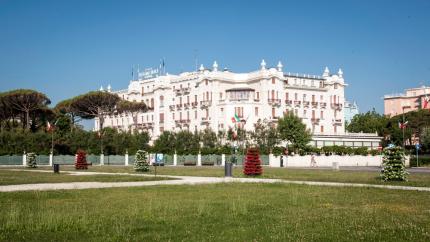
<point>315,120</point>
<point>182,91</point>
<point>336,106</point>
<point>206,103</point>
<point>172,107</point>
<point>323,104</point>
<point>206,119</point>
<point>186,105</point>
<point>178,106</point>
<point>314,104</point>
<point>337,121</point>
<point>297,103</point>
<point>194,104</point>
<point>274,102</point>
<point>305,103</point>
<point>288,102</point>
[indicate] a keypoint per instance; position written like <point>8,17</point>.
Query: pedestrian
<point>313,162</point>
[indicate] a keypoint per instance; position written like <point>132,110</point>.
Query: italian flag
<point>403,125</point>
<point>49,127</point>
<point>235,118</point>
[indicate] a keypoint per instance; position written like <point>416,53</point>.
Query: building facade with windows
<point>412,99</point>
<point>212,98</point>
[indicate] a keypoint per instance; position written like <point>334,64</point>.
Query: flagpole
<point>403,127</point>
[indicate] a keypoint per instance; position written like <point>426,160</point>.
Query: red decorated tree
<point>81,160</point>
<point>252,165</point>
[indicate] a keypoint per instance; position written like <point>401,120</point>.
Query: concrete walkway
<point>180,180</point>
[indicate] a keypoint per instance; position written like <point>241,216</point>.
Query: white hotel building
<point>209,98</point>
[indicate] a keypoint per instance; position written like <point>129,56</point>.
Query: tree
<point>369,122</point>
<point>65,108</point>
<point>25,101</point>
<point>165,143</point>
<point>208,138</point>
<point>292,130</point>
<point>186,142</point>
<point>265,136</point>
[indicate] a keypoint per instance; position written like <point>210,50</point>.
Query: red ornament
<point>81,160</point>
<point>252,165</point>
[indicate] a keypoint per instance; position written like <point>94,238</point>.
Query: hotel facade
<point>210,98</point>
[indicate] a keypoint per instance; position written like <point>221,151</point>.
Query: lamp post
<point>404,105</point>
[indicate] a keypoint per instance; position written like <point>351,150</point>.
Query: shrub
<point>141,161</point>
<point>31,160</point>
<point>81,160</point>
<point>252,165</point>
<point>393,165</point>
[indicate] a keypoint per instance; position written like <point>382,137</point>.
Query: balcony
<point>178,106</point>
<point>289,102</point>
<point>297,103</point>
<point>256,99</point>
<point>186,105</point>
<point>337,121</point>
<point>314,104</point>
<point>182,91</point>
<point>194,104</point>
<point>205,104</point>
<point>274,102</point>
<point>273,119</point>
<point>323,104</point>
<point>172,107</point>
<point>206,119</point>
<point>182,121</point>
<point>337,106</point>
<point>306,104</point>
<point>315,120</point>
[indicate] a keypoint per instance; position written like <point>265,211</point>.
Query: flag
<point>236,117</point>
<point>426,101</point>
<point>49,127</point>
<point>403,125</point>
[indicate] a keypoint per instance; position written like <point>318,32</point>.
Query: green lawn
<point>26,177</point>
<point>370,177</point>
<point>217,212</point>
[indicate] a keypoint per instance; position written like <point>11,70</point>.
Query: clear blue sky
<point>65,48</point>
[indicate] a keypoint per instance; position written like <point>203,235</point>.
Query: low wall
<point>327,161</point>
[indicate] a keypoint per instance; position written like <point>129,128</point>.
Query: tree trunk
<point>27,119</point>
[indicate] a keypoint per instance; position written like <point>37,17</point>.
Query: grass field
<point>370,177</point>
<point>25,177</point>
<point>221,212</point>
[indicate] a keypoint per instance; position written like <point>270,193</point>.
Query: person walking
<point>313,161</point>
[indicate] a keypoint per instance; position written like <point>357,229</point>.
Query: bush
<point>393,164</point>
<point>31,160</point>
<point>141,161</point>
<point>422,160</point>
<point>81,160</point>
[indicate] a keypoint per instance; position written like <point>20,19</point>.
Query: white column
<point>51,157</point>
<point>175,160</point>
<point>126,158</point>
<point>223,160</point>
<point>102,159</point>
<point>199,159</point>
<point>24,159</point>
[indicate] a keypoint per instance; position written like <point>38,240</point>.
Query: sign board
<point>148,73</point>
<point>159,158</point>
<point>391,146</point>
<point>417,146</point>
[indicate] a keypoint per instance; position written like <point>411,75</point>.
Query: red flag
<point>403,125</point>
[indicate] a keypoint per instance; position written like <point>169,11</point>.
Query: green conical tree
<point>393,165</point>
<point>31,160</point>
<point>141,161</point>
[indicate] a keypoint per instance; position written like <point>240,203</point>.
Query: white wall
<point>327,161</point>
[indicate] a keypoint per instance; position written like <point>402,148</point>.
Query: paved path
<point>180,180</point>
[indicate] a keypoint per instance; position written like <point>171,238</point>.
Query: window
<point>286,96</point>
<point>335,128</point>
<point>188,115</point>
<point>313,114</point>
<point>152,102</point>
<point>322,129</point>
<point>256,111</point>
<point>304,113</point>
<point>220,96</point>
<point>258,95</point>
<point>238,95</point>
<point>206,82</point>
<point>180,115</point>
<point>273,113</point>
<point>321,97</point>
<point>273,80</point>
<point>304,97</point>
<point>143,91</point>
<point>195,98</point>
<point>173,116</point>
<point>322,115</point>
<point>195,114</point>
<point>221,110</point>
<point>161,117</point>
<point>161,101</point>
<point>313,98</point>
<point>239,111</point>
<point>296,96</point>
